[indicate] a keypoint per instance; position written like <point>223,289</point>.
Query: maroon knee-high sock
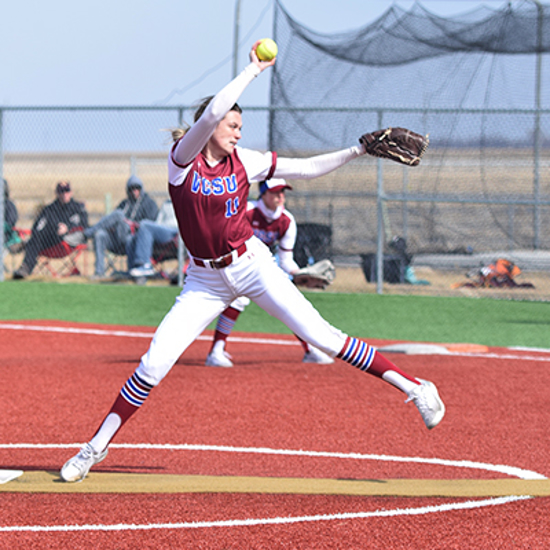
<point>366,358</point>
<point>132,395</point>
<point>225,324</point>
<point>380,365</point>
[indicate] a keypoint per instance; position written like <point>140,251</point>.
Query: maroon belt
<point>222,261</point>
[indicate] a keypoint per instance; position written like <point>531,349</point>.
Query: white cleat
<point>77,468</point>
<point>429,404</point>
<point>218,359</point>
<point>9,475</point>
<point>145,270</point>
<point>315,355</point>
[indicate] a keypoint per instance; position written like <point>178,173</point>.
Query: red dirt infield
<point>271,416</point>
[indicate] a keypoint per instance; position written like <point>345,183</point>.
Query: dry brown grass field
<point>95,178</point>
<point>349,279</point>
<point>345,199</point>
<point>503,172</point>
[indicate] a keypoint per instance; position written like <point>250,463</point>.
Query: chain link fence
<point>470,201</point>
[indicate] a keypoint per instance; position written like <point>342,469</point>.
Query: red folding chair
<point>165,257</point>
<point>60,260</point>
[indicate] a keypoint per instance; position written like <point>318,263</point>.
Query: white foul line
<point>256,340</point>
<point>130,334</point>
<point>469,505</point>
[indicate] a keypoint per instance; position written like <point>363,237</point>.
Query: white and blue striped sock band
<point>225,324</point>
<point>357,353</point>
<point>135,391</point>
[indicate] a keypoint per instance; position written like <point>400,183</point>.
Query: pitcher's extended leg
<point>176,332</point>
<point>306,322</point>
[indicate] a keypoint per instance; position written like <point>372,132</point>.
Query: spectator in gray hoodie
<point>115,230</point>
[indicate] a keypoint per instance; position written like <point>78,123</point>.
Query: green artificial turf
<point>409,318</point>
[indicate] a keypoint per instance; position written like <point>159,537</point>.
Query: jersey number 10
<point>231,207</point>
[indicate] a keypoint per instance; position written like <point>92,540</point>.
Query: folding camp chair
<point>116,261</point>
<point>116,265</point>
<point>165,260</point>
<point>60,260</point>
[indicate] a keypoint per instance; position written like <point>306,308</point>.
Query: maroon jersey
<point>268,232</point>
<point>210,203</point>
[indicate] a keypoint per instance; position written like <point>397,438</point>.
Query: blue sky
<point>157,52</point>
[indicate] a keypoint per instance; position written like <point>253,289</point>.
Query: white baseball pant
<point>208,291</point>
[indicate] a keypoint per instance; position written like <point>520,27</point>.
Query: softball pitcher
<point>209,179</point>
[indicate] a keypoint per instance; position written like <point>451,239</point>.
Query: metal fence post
<point>537,136</point>
<point>511,213</point>
<point>181,260</point>
<point>380,220</point>
<point>1,195</point>
<point>405,212</point>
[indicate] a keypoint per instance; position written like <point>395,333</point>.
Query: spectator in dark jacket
<point>12,240</point>
<point>55,221</point>
<point>114,231</point>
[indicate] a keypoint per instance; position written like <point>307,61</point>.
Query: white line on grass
<point>252,340</point>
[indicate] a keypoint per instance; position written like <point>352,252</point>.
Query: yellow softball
<point>267,49</point>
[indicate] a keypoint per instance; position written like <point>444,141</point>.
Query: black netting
<point>405,59</point>
<point>400,36</point>
<point>476,83</point>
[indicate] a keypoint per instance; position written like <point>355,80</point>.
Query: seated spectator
<point>55,221</point>
<point>161,231</point>
<point>114,232</point>
<point>12,240</point>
